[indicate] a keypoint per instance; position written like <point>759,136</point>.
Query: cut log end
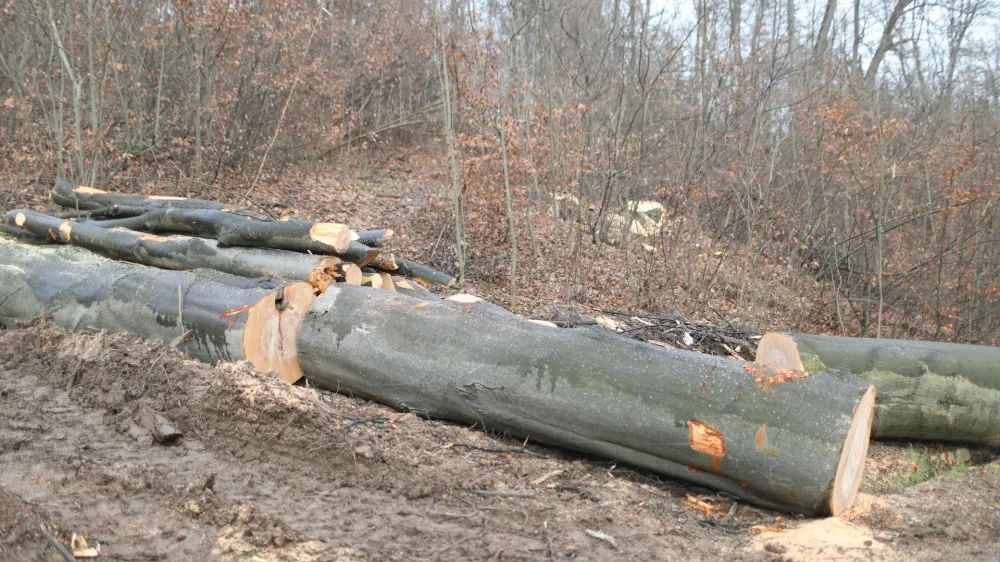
<point>779,351</point>
<point>20,219</point>
<point>336,236</point>
<point>272,328</point>
<point>351,273</point>
<point>852,458</point>
<point>387,283</point>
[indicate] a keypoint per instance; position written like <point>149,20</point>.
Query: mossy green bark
<point>926,390</point>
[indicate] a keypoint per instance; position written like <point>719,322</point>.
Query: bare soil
<point>268,471</point>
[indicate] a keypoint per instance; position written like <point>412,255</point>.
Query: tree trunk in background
<point>885,43</point>
<point>926,390</point>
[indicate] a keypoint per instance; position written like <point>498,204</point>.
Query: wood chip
<point>607,322</point>
<point>162,429</point>
<point>600,535</point>
<point>546,476</point>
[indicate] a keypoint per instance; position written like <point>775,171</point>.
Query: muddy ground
<point>267,471</point>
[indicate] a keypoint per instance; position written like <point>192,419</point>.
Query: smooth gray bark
<point>777,440</point>
<point>174,252</point>
<point>82,290</point>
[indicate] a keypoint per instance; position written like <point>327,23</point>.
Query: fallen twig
<point>600,535</point>
<point>493,494</point>
<point>516,450</point>
<point>59,546</point>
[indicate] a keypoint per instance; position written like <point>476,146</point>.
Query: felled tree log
<point>413,270</point>
<point>781,439</point>
<point>373,238</point>
<point>926,390</point>
<point>73,196</point>
<point>104,204</point>
<point>184,252</point>
<point>411,288</point>
<point>234,229</point>
<point>223,319</point>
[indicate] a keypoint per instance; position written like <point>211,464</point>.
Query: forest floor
<point>267,471</point>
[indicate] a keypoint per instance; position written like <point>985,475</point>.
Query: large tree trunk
<point>926,390</point>
<point>777,438</point>
<point>184,252</point>
<point>217,317</point>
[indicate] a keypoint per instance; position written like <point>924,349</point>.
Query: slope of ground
<point>268,471</point>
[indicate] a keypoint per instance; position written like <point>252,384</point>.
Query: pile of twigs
<point>727,340</point>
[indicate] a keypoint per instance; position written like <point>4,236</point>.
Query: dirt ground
<point>268,471</point>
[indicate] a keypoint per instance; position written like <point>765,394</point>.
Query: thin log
<point>782,439</point>
<point>70,195</point>
<point>234,229</point>
<point>97,204</point>
<point>231,318</point>
<point>181,252</point>
<point>413,270</point>
<point>22,236</point>
<point>373,238</point>
<point>411,288</point>
<point>926,390</point>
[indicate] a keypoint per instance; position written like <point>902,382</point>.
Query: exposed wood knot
<point>279,300</point>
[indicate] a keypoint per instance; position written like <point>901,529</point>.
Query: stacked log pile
<point>321,301</point>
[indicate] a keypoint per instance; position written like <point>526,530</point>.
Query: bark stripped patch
<point>152,238</point>
<point>65,228</point>
<point>706,439</point>
<point>166,198</point>
<point>88,190</point>
<point>767,378</point>
<point>762,445</point>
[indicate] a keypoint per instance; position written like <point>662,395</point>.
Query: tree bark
<point>239,227</point>
<point>926,390</point>
<point>74,196</point>
<point>113,205</point>
<point>182,252</point>
<point>781,439</point>
<point>229,318</point>
<point>412,288</point>
<point>236,229</point>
